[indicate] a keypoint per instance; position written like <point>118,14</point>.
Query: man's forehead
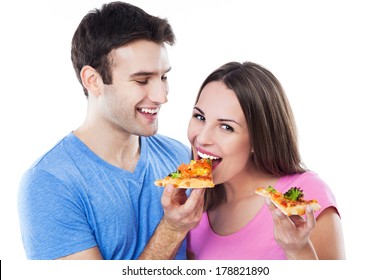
<point>141,56</point>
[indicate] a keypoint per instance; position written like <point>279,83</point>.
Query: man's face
<point>139,88</point>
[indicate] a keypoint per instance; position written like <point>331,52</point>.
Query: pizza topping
<point>196,168</point>
<point>291,202</point>
<point>294,194</point>
<point>271,190</point>
<point>196,174</point>
<point>176,174</point>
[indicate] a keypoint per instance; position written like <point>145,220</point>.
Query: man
<point>92,195</point>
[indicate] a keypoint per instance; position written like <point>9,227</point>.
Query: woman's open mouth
<point>214,159</point>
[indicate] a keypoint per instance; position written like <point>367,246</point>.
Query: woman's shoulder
<point>308,179</point>
<point>312,185</point>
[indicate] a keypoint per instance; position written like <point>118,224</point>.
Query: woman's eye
<point>227,127</point>
<point>164,78</point>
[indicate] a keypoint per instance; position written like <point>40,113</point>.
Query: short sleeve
<point>316,188</point>
<point>52,217</point>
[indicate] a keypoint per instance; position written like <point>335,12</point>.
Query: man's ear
<point>91,80</point>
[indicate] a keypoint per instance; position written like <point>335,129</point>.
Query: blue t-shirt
<point>71,200</point>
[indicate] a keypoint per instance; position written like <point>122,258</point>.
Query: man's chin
<point>148,132</point>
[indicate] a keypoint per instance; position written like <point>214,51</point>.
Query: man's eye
<point>199,117</point>
<point>142,82</point>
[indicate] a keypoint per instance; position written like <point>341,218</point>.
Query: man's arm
<point>180,216</point>
<point>89,254</point>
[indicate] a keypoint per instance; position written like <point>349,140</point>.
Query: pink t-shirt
<point>255,241</point>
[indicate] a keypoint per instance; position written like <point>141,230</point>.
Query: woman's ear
<point>91,80</point>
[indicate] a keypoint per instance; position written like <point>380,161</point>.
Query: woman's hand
<point>292,233</point>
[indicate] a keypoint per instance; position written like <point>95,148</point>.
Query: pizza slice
<point>196,174</point>
<point>291,202</point>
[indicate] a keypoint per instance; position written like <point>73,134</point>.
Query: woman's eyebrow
<point>229,120</point>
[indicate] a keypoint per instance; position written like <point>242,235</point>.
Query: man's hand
<point>181,214</point>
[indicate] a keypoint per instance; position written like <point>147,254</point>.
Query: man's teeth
<point>207,156</point>
<point>149,111</point>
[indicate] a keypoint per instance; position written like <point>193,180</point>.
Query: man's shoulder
<point>58,161</point>
<point>56,153</point>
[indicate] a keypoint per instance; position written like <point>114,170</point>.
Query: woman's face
<point>218,130</point>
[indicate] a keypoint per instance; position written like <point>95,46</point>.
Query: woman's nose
<point>205,136</point>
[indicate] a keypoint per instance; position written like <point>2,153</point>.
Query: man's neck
<point>118,149</point>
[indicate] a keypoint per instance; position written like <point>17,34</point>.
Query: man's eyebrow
<point>147,73</point>
<point>220,120</point>
<point>200,111</point>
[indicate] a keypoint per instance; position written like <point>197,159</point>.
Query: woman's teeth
<point>207,156</point>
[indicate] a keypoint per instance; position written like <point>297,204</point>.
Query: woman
<point>242,120</point>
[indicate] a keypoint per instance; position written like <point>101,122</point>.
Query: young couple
<point>92,195</point>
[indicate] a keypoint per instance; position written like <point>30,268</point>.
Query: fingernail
<point>278,213</point>
<point>268,201</point>
<point>169,189</point>
<point>198,191</point>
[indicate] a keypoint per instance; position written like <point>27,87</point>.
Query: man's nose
<point>159,92</point>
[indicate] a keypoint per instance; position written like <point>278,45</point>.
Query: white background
<point>332,57</point>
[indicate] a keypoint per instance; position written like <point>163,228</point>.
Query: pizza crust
<point>262,192</point>
<point>189,183</point>
<point>298,209</point>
